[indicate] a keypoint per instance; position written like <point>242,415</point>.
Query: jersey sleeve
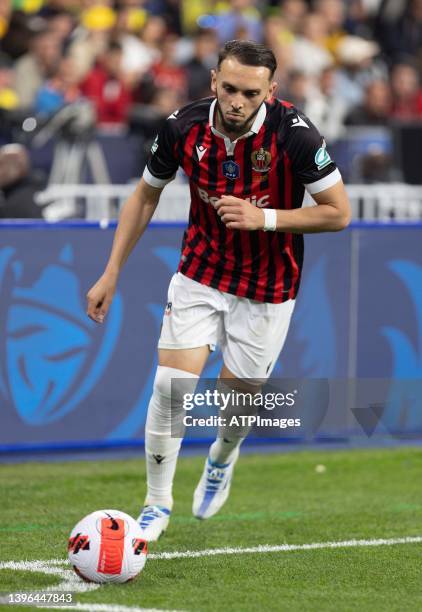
<point>310,160</point>
<point>162,163</point>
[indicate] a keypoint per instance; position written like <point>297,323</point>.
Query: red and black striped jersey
<point>270,166</point>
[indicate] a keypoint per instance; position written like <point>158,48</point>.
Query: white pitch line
<point>210,552</point>
<point>191,554</point>
<point>70,582</point>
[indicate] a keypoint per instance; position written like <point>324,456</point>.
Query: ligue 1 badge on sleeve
<point>231,169</point>
<point>261,160</point>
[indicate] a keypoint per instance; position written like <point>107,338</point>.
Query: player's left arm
<point>312,166</point>
<point>331,214</point>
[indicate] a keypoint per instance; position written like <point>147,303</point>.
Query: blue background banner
<point>65,380</point>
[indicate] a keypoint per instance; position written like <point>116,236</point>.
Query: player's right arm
<point>137,211</point>
<point>135,216</point>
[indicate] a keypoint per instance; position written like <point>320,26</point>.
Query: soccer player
<point>249,158</point>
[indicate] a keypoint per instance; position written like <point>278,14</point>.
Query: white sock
<point>164,432</point>
<point>229,439</point>
<point>223,450</point>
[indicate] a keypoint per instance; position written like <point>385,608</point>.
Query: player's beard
<point>236,128</point>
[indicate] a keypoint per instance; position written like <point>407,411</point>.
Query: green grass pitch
<point>276,499</point>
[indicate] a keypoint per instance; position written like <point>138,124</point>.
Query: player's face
<point>240,91</point>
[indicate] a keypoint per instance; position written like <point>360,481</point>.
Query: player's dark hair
<point>249,53</point>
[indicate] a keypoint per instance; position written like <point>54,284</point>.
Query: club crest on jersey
<point>231,170</point>
<point>261,160</point>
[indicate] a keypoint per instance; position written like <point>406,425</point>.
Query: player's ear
<point>272,90</point>
<point>214,81</point>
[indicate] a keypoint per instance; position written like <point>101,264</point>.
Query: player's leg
<point>254,337</point>
<point>188,334</point>
<point>164,432</point>
<point>229,438</point>
<point>214,485</point>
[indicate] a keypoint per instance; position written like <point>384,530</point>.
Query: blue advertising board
<point>65,380</point>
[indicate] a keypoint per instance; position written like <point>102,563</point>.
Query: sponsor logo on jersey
<point>154,145</point>
<point>254,200</point>
<point>261,160</point>
<point>231,169</point>
<point>299,122</point>
<point>322,157</point>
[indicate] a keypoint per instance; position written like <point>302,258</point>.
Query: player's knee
<point>172,384</point>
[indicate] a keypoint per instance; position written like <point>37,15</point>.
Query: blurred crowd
<point>133,62</point>
<point>354,62</point>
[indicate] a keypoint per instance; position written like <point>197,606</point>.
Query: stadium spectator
<point>325,108</point>
<point>105,86</point>
<point>293,12</point>
<point>376,107</point>
<point>169,10</point>
<point>276,32</point>
<point>194,13</point>
<point>238,15</point>
<point>8,97</point>
<point>296,90</point>
<point>198,68</point>
<point>166,73</point>
<point>148,119</point>
<point>309,51</point>
<point>357,68</point>
<point>280,39</point>
<point>375,166</point>
<point>60,90</point>
<point>407,93</point>
<point>5,16</point>
<point>18,184</point>
<point>15,41</point>
<point>360,18</point>
<point>135,57</point>
<point>333,14</point>
<point>39,64</point>
<point>151,36</point>
<point>401,34</point>
<point>61,22</point>
<point>91,37</point>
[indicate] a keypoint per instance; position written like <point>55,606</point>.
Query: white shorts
<point>250,334</point>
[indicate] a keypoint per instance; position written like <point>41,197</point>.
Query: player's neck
<point>231,135</point>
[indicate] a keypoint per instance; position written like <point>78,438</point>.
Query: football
<point>107,546</point>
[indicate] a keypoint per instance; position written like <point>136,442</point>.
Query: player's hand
<point>239,214</point>
<point>100,296</point>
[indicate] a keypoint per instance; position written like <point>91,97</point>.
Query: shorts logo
<point>167,311</point>
<point>261,160</point>
<point>322,158</point>
<point>231,170</point>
